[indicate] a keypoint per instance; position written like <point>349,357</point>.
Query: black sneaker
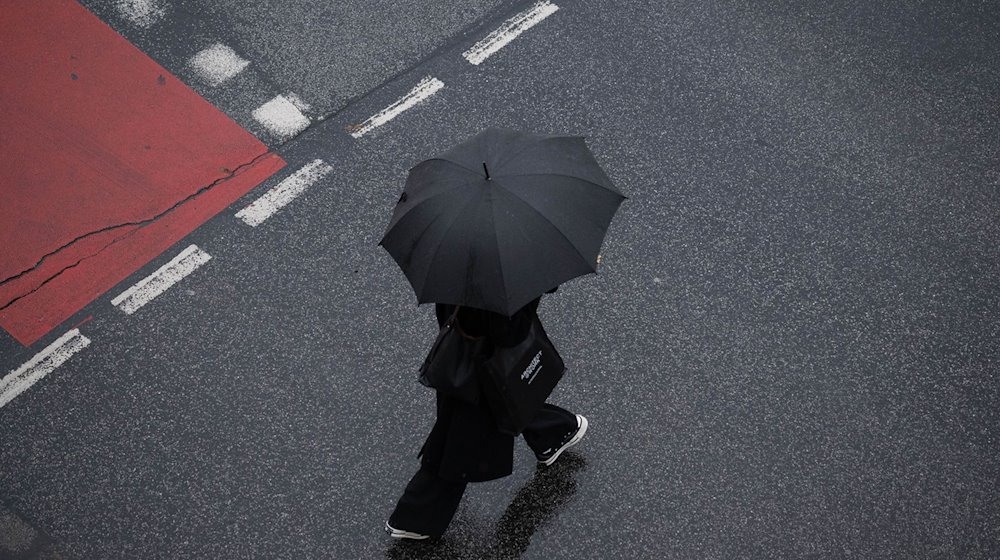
<point>550,455</point>
<point>401,534</point>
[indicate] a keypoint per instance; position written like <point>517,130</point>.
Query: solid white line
<point>283,193</point>
<point>43,363</point>
<point>509,31</point>
<point>426,88</point>
<point>158,282</point>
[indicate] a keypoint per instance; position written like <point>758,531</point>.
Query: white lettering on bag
<point>533,368</point>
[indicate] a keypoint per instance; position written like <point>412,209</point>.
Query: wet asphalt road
<point>790,351</point>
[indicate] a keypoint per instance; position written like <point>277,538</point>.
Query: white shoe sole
<point>573,441</point>
<point>401,534</point>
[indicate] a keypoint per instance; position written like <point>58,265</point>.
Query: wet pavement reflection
<point>534,505</point>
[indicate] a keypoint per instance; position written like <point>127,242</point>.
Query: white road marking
<point>158,282</point>
<point>283,193</point>
<point>509,31</point>
<point>142,13</point>
<point>426,88</point>
<point>281,117</point>
<point>42,364</point>
<point>217,63</point>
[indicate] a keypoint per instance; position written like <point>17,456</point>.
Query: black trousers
<point>429,501</point>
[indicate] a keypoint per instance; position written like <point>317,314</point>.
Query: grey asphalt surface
<point>790,351</point>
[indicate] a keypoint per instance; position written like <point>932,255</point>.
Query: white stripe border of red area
<point>509,31</point>
<point>144,291</point>
<point>42,364</point>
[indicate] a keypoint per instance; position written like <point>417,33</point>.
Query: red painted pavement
<point>94,133</point>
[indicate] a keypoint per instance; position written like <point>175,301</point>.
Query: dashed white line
<point>283,193</point>
<point>160,281</point>
<point>42,364</point>
<point>217,63</point>
<point>281,117</point>
<point>509,31</point>
<point>426,88</point>
<point>142,13</point>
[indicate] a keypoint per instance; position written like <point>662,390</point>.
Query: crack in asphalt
<point>138,223</point>
<point>449,43</point>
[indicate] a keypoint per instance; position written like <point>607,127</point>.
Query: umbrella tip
<point>487,171</point>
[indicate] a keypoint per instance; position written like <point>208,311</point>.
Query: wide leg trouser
<point>548,428</point>
<point>429,502</point>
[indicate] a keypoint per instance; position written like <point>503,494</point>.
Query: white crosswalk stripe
<point>144,291</point>
<point>509,31</point>
<point>426,88</point>
<point>284,192</point>
<point>42,364</point>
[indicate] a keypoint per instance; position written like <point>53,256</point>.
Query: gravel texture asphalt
<point>790,350</point>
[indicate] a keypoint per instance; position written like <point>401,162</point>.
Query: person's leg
<point>553,430</point>
<point>427,505</point>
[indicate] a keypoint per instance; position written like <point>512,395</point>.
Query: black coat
<point>464,444</point>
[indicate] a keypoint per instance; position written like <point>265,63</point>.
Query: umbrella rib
<point>416,239</point>
<point>457,164</point>
<point>447,234</point>
<point>400,219</point>
<point>435,195</point>
<point>548,221</point>
<point>510,156</point>
<point>605,187</point>
<point>496,242</point>
<point>524,146</point>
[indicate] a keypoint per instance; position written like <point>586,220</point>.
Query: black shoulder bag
<point>454,361</point>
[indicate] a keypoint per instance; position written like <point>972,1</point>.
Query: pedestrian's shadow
<point>533,506</point>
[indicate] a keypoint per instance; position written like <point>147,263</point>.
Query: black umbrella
<point>500,219</point>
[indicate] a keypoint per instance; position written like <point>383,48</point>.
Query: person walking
<point>483,231</point>
<point>465,445</point>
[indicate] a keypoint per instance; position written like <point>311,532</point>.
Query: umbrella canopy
<point>500,219</point>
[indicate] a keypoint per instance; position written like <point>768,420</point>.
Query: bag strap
<point>458,326</point>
